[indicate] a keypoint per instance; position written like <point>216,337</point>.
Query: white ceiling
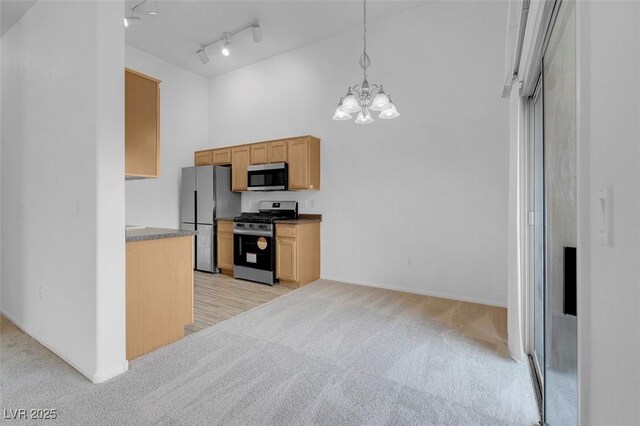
<point>11,12</point>
<point>181,26</point>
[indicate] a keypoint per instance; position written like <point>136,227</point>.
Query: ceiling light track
<point>256,32</point>
<point>132,20</point>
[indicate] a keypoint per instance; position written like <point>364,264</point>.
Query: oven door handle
<point>255,233</point>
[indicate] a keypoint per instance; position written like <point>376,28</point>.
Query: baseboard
<point>110,374</point>
<point>94,377</point>
<point>420,292</point>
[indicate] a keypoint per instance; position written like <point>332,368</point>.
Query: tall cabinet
<point>142,125</point>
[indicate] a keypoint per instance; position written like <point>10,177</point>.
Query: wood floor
<point>218,297</point>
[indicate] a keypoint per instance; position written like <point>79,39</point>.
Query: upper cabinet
<point>304,163</point>
<point>142,125</point>
<point>203,158</point>
<point>221,157</point>
<point>259,153</point>
<point>217,157</point>
<point>302,154</point>
<point>277,152</point>
<point>240,160</point>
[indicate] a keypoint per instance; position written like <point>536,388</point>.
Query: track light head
<point>202,55</point>
<point>152,7</point>
<point>226,49</point>
<point>257,33</point>
<point>131,21</point>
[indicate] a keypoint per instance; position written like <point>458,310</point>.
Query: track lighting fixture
<point>202,55</point>
<point>256,32</point>
<point>132,20</point>
<point>226,47</point>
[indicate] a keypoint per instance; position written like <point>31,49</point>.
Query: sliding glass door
<point>553,112</point>
<point>559,93</point>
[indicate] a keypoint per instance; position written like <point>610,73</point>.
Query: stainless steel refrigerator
<point>206,195</point>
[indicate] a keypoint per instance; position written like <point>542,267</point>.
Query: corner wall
<point>62,182</point>
<point>608,65</point>
<point>430,186</point>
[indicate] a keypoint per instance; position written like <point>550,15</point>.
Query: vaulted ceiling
<point>182,26</point>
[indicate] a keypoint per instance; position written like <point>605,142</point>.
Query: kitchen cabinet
<point>221,157</point>
<point>259,153</point>
<point>298,253</point>
<point>301,153</point>
<point>203,158</point>
<point>142,125</point>
<point>159,292</point>
<point>287,259</point>
<point>303,156</point>
<point>277,152</point>
<point>225,246</point>
<point>240,160</point>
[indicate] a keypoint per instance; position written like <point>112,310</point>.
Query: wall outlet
<point>409,261</point>
<point>312,203</point>
<point>40,292</point>
<point>302,204</point>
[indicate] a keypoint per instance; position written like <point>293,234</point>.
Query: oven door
<point>268,177</point>
<point>254,251</point>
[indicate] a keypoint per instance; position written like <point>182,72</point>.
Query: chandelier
<point>364,98</point>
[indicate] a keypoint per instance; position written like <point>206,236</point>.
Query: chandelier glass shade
<point>364,98</point>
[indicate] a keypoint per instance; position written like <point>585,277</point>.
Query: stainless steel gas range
<point>254,245</point>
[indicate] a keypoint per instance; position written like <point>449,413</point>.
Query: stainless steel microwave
<point>268,177</point>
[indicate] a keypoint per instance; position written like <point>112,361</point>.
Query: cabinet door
<point>286,259</point>
<point>240,159</point>
<point>225,251</point>
<point>278,152</point>
<point>259,153</point>
<point>298,163</point>
<point>142,125</point>
<point>203,158</point>
<point>221,157</point>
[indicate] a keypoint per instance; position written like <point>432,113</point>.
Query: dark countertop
<point>302,218</point>
<point>156,234</point>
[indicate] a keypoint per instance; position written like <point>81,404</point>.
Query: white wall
<point>430,185</point>
<point>62,182</point>
<point>184,127</point>
<point>608,66</point>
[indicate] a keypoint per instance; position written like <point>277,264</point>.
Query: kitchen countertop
<point>302,218</point>
<point>229,219</point>
<point>142,234</point>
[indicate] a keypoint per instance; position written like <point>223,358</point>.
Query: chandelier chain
<point>364,59</point>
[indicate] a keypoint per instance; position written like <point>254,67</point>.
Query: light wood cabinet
<point>259,153</point>
<point>221,157</point>
<point>203,158</point>
<point>287,259</point>
<point>303,156</point>
<point>277,152</point>
<point>225,246</point>
<point>240,160</point>
<point>159,292</point>
<point>298,253</point>
<point>142,125</point>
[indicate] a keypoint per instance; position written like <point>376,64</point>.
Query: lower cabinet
<point>225,246</point>
<point>287,259</point>
<point>159,292</point>
<point>297,253</point>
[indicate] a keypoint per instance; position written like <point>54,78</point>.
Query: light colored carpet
<point>329,353</point>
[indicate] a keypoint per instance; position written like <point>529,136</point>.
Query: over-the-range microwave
<point>268,177</point>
